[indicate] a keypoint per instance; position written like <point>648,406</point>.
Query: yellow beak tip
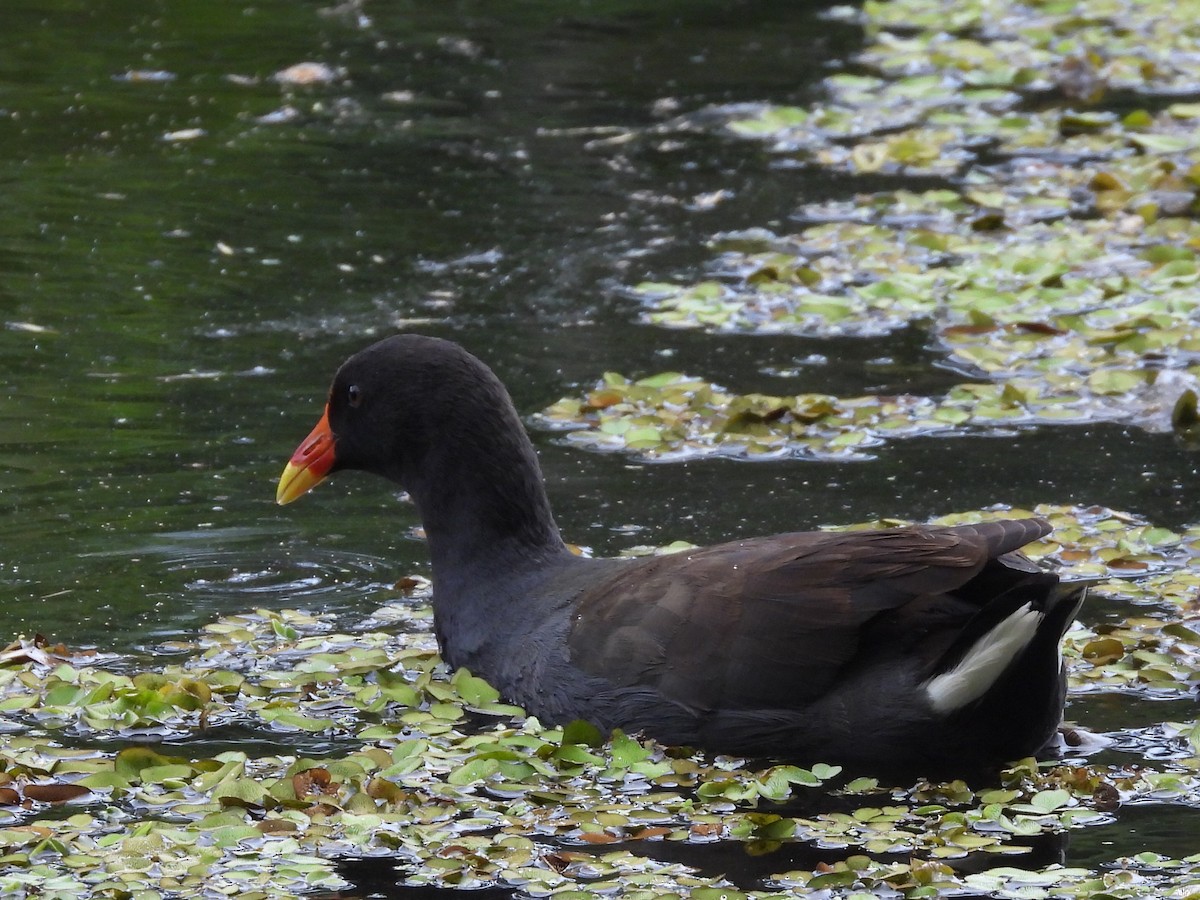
<point>295,482</point>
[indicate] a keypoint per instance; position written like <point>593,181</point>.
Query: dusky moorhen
<point>934,648</point>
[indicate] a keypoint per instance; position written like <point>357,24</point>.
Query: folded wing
<point>777,622</point>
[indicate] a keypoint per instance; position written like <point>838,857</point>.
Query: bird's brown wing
<point>773,622</point>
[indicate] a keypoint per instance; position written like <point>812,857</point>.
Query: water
<point>175,301</point>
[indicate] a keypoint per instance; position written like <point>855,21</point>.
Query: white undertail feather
<point>986,661</point>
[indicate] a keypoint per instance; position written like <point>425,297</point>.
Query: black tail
<point>1021,711</point>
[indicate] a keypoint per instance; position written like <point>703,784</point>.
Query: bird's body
<point>915,647</point>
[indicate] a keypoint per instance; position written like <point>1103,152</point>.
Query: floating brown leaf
<point>597,837</point>
<point>313,781</point>
<point>55,793</point>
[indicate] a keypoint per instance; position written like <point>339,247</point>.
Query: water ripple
<point>231,580</point>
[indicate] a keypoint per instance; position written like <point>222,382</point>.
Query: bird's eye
<point>354,395</point>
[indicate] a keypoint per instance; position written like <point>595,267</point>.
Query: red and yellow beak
<point>309,464</point>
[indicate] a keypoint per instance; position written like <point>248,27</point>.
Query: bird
<point>923,648</point>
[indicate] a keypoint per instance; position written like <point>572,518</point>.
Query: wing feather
<point>776,622</point>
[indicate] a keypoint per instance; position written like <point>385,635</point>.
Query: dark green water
<point>174,306</point>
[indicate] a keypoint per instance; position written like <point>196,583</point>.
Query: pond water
<point>190,247</point>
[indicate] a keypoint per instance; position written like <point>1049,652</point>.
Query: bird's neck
<point>490,535</point>
<point>484,509</point>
